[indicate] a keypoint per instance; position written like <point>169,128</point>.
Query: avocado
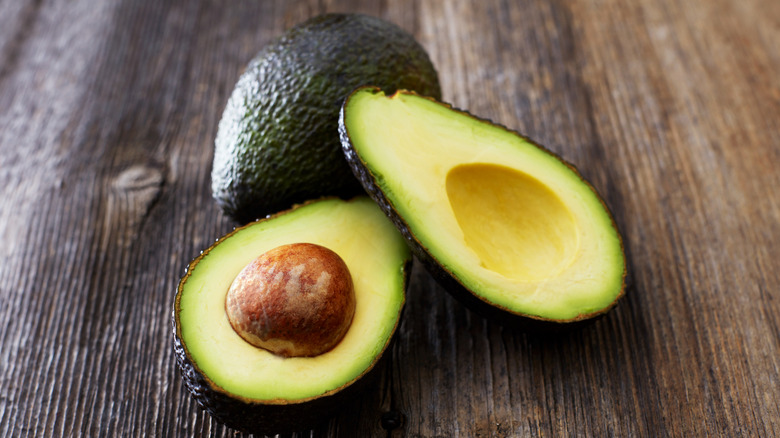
<point>253,389</point>
<point>277,142</point>
<point>508,227</point>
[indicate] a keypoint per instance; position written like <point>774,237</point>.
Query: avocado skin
<point>447,279</point>
<point>271,417</point>
<point>277,142</point>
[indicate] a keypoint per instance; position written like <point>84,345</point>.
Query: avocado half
<point>277,143</point>
<point>253,390</point>
<point>505,225</point>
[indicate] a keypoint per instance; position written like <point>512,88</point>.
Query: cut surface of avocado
<point>376,256</point>
<point>512,223</point>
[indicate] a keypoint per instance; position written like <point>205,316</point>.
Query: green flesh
<point>511,222</point>
<point>376,256</point>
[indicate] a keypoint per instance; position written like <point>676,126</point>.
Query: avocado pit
<point>294,300</point>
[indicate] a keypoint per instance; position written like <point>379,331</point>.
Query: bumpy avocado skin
<point>448,280</point>
<point>277,143</point>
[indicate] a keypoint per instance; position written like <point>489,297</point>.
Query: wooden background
<point>108,113</point>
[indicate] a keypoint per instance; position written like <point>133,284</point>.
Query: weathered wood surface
<point>108,113</point>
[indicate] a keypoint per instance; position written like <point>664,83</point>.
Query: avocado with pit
<point>508,227</point>
<point>252,351</point>
<point>277,143</point>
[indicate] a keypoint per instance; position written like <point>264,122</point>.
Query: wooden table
<point>108,113</point>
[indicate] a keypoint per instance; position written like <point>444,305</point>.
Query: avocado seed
<point>294,300</point>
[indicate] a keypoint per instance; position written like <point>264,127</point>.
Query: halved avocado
<point>508,227</point>
<point>251,389</point>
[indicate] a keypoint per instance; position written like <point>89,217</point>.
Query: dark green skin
<point>449,280</point>
<point>268,417</point>
<point>277,143</point>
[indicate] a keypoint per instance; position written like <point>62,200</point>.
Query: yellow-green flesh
<point>512,222</point>
<point>375,254</point>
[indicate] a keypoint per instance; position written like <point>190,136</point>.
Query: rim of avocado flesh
<point>511,222</point>
<point>377,257</point>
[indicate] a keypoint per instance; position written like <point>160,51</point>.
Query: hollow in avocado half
<point>259,391</point>
<point>508,227</point>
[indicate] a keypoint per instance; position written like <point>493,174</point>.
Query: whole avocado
<point>277,143</point>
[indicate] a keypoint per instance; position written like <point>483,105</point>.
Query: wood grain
<point>108,112</point>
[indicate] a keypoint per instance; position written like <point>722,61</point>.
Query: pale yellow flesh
<point>513,223</point>
<point>375,254</point>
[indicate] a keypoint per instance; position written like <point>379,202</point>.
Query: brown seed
<point>294,300</point>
